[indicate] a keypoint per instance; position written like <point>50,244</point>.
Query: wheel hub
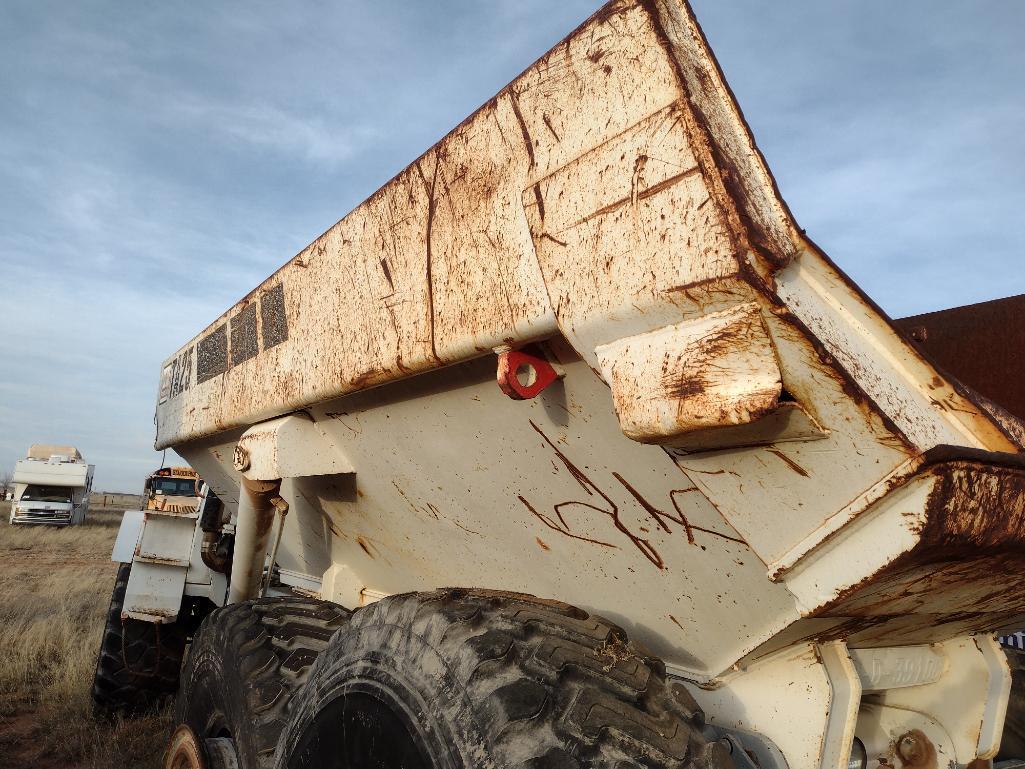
<point>188,751</point>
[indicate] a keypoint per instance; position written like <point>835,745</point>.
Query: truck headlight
<point>859,756</point>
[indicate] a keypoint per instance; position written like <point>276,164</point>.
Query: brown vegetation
<point>55,587</point>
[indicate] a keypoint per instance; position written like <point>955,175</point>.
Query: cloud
<point>266,127</point>
<point>79,368</point>
<point>894,132</point>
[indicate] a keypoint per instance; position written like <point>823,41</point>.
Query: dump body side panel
<point>438,266</point>
<point>611,190</point>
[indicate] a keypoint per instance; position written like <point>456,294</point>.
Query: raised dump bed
<point>701,429</point>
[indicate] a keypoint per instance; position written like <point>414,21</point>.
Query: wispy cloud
<point>265,127</point>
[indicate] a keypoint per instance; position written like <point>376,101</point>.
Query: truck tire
<point>1012,743</point>
<point>461,679</point>
<point>139,662</point>
<point>245,664</point>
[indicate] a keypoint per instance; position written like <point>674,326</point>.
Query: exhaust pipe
<point>256,511</point>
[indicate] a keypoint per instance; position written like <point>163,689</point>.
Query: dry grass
<point>54,591</point>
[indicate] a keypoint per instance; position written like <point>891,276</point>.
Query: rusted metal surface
<point>256,513</point>
<point>716,371</point>
<point>957,573</point>
<point>281,506</point>
<point>982,345</point>
<point>213,556</point>
<point>289,447</point>
<point>915,750</point>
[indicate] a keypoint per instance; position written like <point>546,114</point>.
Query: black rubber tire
<point>244,665</point>
<point>461,679</point>
<point>139,663</point>
<point>1012,743</point>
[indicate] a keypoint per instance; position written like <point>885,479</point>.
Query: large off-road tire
<point>1012,744</point>
<point>246,662</point>
<point>468,679</point>
<point>139,662</point>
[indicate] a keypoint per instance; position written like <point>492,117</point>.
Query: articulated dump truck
<point>568,449</point>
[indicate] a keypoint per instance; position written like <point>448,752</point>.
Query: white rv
<point>51,486</point>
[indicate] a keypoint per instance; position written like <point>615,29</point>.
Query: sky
<point>159,159</point>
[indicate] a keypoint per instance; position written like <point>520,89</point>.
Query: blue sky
<point>158,159</point>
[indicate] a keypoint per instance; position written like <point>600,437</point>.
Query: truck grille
<point>42,516</point>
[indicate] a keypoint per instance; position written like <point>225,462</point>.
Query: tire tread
<point>267,648</point>
<point>139,663</point>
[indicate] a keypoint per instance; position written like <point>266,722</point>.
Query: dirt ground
<point>55,587</point>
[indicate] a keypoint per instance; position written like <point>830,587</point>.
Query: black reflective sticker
<point>212,354</point>
<point>244,344</point>
<point>272,314</point>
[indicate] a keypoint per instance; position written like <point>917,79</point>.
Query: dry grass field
<point>55,587</point>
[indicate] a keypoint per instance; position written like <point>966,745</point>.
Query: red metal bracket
<point>522,375</point>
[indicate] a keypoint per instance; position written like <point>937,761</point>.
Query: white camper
<point>52,486</point>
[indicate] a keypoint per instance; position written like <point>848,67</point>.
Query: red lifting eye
<point>522,375</point>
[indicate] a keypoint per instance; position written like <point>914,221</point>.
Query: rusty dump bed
<point>740,450</point>
<point>979,344</point>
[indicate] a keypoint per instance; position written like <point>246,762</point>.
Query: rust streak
<point>548,123</point>
<point>641,195</point>
<point>527,141</point>
<point>363,544</point>
<point>578,476</point>
<point>646,548</point>
<point>793,465</point>
<point>563,529</point>
<point>387,274</point>
<point>539,199</point>
<point>612,510</point>
<point>427,238</point>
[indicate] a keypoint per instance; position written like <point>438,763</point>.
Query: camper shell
<point>52,485</point>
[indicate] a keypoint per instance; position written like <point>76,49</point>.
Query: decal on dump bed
<point>272,315</point>
<point>229,344</point>
<point>212,354</point>
<point>176,376</point>
<point>244,344</point>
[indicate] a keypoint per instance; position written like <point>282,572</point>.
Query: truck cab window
<point>179,487</point>
<point>34,493</point>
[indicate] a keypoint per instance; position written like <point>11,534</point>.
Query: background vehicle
<point>171,575</point>
<point>174,489</point>
<point>702,503</point>
<point>51,486</point>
